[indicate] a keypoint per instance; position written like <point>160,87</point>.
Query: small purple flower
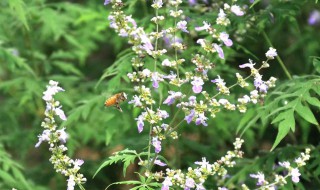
<point>197,84</point>
<point>189,117</point>
<point>140,122</point>
<point>219,50</point>
<point>172,97</point>
<point>190,183</point>
<point>78,162</point>
<point>106,2</point>
<point>155,77</point>
<point>218,80</point>
<point>206,26</point>
<point>285,164</point>
<point>237,10</point>
<point>295,175</point>
<point>225,38</point>
<point>45,136</point>
<point>62,135</point>
<point>192,2</point>
<point>162,114</point>
<point>182,25</point>
<point>201,120</point>
<point>314,17</point>
<point>159,163</point>
<point>166,184</point>
<point>136,101</point>
<point>52,89</point>
<point>260,177</point>
<point>260,84</point>
<point>157,144</point>
<point>60,113</point>
<point>250,65</point>
<point>271,53</point>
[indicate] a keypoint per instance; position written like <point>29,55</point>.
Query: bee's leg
<point>118,107</point>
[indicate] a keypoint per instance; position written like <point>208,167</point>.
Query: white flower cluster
<point>56,139</point>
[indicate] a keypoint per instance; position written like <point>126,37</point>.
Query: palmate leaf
<point>18,8</point>
<point>126,156</point>
<point>289,100</point>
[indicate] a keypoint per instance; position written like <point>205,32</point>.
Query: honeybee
<point>115,100</point>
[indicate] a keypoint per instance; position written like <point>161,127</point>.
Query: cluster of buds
<point>56,138</point>
<point>194,178</point>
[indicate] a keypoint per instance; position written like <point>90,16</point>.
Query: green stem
<point>278,57</point>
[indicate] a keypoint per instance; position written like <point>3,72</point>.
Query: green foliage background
<point>70,42</point>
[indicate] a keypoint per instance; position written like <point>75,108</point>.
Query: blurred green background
<point>70,42</point>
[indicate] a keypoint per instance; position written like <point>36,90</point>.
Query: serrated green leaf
<point>67,67</point>
<point>283,129</point>
<point>316,64</point>
<point>18,7</point>
<point>245,119</point>
<point>306,113</point>
<point>124,156</point>
<point>125,183</point>
<point>313,101</point>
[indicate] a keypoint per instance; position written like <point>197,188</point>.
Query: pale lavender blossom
<point>166,184</point>
<point>250,65</point>
<point>78,163</point>
<point>202,42</point>
<point>167,63</point>
<point>314,17</point>
<point>159,163</point>
<point>197,84</point>
<point>157,144</point>
<point>260,177</point>
<point>140,122</point>
<point>172,97</point>
<point>237,10</point>
<point>45,136</point>
<point>106,2</point>
<point>192,2</point>
<point>158,3</point>
<point>60,113</point>
<point>162,114</point>
<point>189,117</point>
<point>201,119</point>
<point>155,78</point>
<point>136,101</point>
<point>206,26</point>
<point>218,81</point>
<point>170,39</point>
<point>271,53</point>
<point>52,89</point>
<point>190,183</point>
<point>260,84</point>
<point>62,135</point>
<point>225,38</point>
<point>182,25</point>
<point>219,50</point>
<point>295,175</point>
